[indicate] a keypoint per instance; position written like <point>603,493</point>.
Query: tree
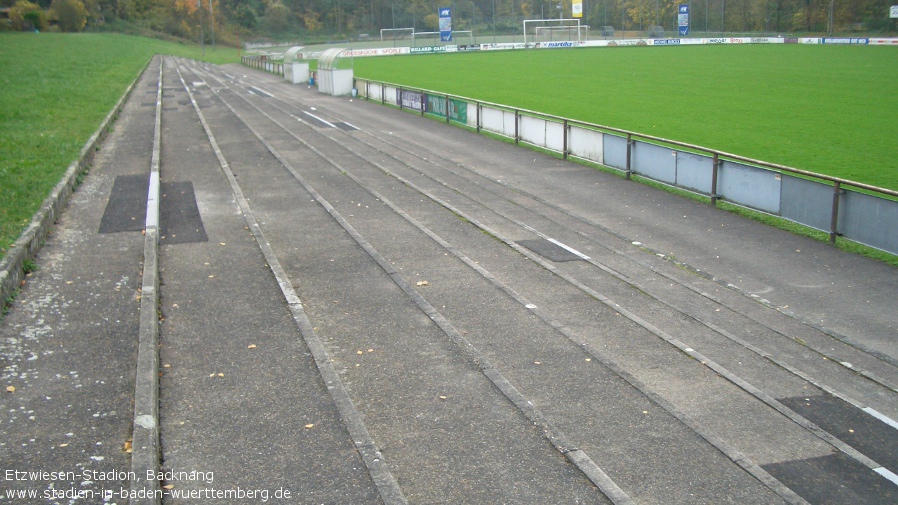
<point>432,21</point>
<point>186,20</point>
<point>312,20</point>
<point>25,15</point>
<point>246,17</point>
<point>71,14</point>
<point>277,17</point>
<point>642,12</point>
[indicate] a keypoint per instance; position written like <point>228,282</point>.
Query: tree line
<point>234,20</point>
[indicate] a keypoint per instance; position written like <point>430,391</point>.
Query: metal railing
<point>859,212</point>
<point>263,63</point>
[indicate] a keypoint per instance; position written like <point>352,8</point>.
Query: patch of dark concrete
<point>837,478</point>
<point>127,206</point>
<point>549,250</point>
<point>869,435</point>
<point>179,217</point>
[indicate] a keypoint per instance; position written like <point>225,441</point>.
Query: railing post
<point>629,153</point>
<point>399,96</point>
<point>714,169</point>
<point>478,117</point>
<point>565,138</point>
<point>423,104</point>
<point>516,127</point>
<point>834,220</point>
<point>447,109</point>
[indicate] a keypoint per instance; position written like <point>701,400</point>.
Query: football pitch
<point>827,109</point>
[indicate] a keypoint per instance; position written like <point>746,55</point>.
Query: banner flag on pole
<point>577,8</point>
<point>445,24</point>
<point>683,19</point>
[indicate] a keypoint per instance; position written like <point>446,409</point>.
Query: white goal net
<point>433,38</point>
<point>553,30</point>
<point>397,34</point>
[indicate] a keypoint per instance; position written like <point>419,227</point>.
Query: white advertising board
<point>384,51</point>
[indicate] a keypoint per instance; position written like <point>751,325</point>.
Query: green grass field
<point>55,89</point>
<point>826,109</point>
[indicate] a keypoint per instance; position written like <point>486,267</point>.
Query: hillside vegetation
<point>229,21</point>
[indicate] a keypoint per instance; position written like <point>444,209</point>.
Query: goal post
<point>397,34</point>
<point>435,36</point>
<point>547,30</point>
<point>561,33</point>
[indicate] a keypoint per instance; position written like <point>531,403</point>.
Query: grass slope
<point>55,89</point>
<point>827,109</point>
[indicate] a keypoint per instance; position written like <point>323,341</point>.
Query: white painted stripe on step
<point>152,220</point>
<point>261,91</point>
<point>568,248</point>
<point>319,119</point>
<point>882,417</point>
<point>887,474</point>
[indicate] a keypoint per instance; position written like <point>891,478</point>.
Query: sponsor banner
<point>884,42</point>
<point>468,48</point>
<point>767,40</point>
<point>445,24</point>
<point>845,40</point>
<point>683,19</point>
<point>545,45</point>
<point>893,11</point>
<point>494,47</point>
<point>740,40</point>
<point>665,42</point>
<point>432,49</point>
<point>577,8</point>
<point>691,42</point>
<point>809,40</point>
<point>457,109</point>
<point>411,99</point>
<point>791,40</point>
<point>624,42</point>
<point>384,51</point>
<point>729,40</point>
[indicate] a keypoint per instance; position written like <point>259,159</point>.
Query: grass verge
<point>57,88</point>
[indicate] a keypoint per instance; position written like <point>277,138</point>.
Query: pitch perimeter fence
<point>859,212</point>
<point>266,63</point>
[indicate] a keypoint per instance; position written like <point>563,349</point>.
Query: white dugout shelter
<point>334,73</point>
<point>296,70</point>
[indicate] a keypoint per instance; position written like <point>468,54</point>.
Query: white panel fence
<point>856,211</point>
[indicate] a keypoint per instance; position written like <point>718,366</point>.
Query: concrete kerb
<point>12,266</point>
<point>145,455</point>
